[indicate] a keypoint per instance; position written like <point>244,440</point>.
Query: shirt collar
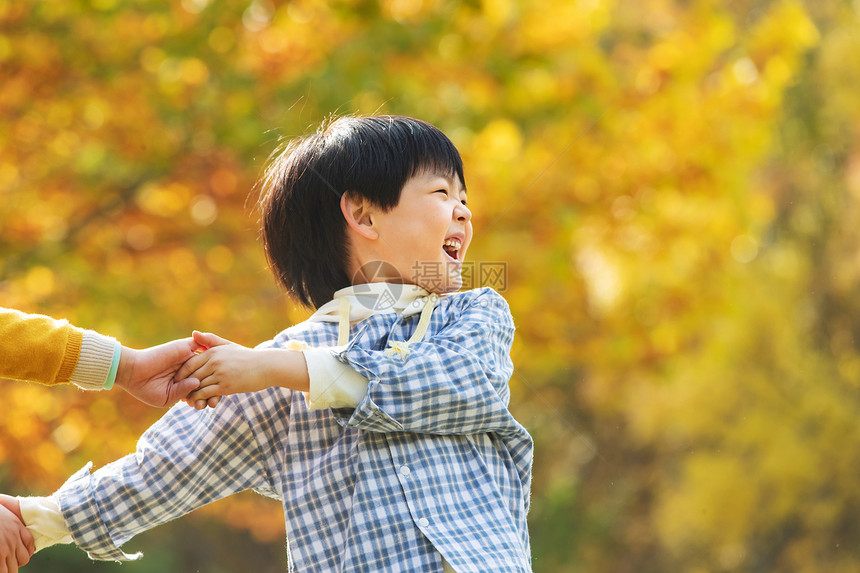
<point>373,298</point>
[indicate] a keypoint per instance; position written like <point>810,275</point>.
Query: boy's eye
<point>445,191</point>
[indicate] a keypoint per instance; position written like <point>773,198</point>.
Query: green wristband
<point>117,352</point>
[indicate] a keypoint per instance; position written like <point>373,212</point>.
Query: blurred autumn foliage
<point>673,186</point>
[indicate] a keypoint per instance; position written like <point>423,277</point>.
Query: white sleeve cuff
<point>43,518</point>
<point>95,361</point>
<point>332,384</point>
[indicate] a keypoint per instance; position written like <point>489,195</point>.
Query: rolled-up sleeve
<point>187,459</point>
<point>455,381</point>
<point>333,384</point>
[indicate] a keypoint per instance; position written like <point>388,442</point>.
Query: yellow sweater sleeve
<point>37,348</point>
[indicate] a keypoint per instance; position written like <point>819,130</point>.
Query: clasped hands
<point>182,370</point>
<point>16,541</point>
<point>189,369</point>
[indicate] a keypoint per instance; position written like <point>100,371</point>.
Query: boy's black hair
<point>303,229</point>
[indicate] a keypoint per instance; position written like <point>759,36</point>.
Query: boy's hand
<point>223,368</point>
<point>16,541</point>
<point>228,368</point>
<point>149,375</point>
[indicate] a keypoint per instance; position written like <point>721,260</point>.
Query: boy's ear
<point>358,212</point>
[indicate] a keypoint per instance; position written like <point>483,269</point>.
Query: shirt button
<point>405,471</point>
<point>423,522</point>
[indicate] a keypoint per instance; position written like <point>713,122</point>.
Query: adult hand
<point>16,541</point>
<point>148,374</point>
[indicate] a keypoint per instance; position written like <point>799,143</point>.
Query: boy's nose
<point>462,213</point>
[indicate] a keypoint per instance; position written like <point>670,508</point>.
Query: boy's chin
<point>449,280</point>
<point>452,284</point>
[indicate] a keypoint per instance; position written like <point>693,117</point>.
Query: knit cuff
<point>94,364</point>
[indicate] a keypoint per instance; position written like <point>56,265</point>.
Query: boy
<point>382,421</point>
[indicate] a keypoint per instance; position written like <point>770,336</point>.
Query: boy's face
<point>426,235</point>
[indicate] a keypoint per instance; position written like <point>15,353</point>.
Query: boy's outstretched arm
<point>16,542</point>
<point>452,382</point>
<point>228,368</point>
<point>185,460</point>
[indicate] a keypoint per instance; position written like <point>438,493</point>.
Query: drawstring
<point>395,347</point>
<point>402,348</point>
<point>424,321</point>
<point>343,325</point>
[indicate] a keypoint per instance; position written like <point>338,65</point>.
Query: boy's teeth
<point>452,243</point>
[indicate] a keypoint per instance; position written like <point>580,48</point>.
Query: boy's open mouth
<point>452,248</point>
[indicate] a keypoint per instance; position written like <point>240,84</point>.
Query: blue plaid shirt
<point>429,465</point>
